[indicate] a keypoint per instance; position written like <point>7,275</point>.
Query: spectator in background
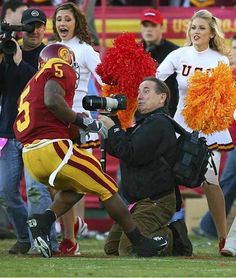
<point>204,50</point>
<point>228,183</point>
<point>229,174</point>
<point>70,27</point>
<point>11,13</point>
<point>16,70</point>
<point>159,48</point>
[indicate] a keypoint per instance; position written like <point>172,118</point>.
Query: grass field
<point>93,263</point>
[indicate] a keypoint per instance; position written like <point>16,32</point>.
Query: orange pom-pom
<point>123,68</point>
<point>210,100</point>
<point>125,116</point>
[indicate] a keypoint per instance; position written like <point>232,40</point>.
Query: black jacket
<point>139,149</point>
<point>159,53</point>
<point>13,79</point>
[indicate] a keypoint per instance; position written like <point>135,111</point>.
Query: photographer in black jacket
<point>148,184</point>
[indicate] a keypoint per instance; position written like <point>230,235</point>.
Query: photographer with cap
<point>159,48</point>
<point>148,184</point>
<point>16,69</point>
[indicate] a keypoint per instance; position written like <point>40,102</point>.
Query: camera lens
<point>92,103</point>
<point>9,47</point>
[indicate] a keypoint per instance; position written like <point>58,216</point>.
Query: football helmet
<point>56,50</point>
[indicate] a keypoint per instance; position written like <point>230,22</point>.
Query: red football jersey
<point>34,120</point>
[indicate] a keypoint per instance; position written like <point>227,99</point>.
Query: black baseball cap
<point>33,15</point>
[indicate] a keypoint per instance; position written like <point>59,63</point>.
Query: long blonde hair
<point>216,43</point>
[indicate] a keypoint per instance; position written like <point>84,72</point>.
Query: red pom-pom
<point>124,66</point>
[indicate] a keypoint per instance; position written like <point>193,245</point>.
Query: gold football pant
<point>64,166</point>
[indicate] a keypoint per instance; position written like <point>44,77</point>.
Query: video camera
<point>7,45</point>
<point>112,103</point>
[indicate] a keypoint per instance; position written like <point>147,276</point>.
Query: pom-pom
<point>123,68</point>
<point>210,100</point>
<point>125,116</point>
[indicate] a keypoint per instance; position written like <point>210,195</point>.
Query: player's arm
<point>54,99</point>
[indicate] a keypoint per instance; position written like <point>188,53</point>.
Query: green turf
<point>93,263</point>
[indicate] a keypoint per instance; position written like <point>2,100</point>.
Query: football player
<point>42,125</point>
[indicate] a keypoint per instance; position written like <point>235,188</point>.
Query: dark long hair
<point>81,27</point>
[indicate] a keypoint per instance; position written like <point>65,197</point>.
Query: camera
<point>114,102</point>
<point>7,45</point>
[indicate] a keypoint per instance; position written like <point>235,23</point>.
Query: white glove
<point>91,125</point>
<point>83,135</point>
<point>95,126</point>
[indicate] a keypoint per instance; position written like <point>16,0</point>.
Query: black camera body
<point>7,45</point>
<point>112,103</point>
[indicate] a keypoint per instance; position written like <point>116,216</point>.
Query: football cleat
<point>150,247</point>
<point>68,248</point>
<point>41,234</point>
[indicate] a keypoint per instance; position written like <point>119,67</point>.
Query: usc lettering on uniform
<point>187,69</point>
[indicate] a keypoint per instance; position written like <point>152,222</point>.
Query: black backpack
<point>192,157</point>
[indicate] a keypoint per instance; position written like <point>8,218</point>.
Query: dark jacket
<point>159,53</point>
<point>13,79</point>
<point>139,149</point>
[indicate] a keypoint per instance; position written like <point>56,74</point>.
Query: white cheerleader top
<point>184,61</point>
<point>87,59</point>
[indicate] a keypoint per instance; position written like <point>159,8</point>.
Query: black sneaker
<point>182,245</point>
<point>20,248</point>
<point>150,247</point>
<point>40,233</point>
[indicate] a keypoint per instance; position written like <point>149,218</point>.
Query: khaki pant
<point>151,217</point>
